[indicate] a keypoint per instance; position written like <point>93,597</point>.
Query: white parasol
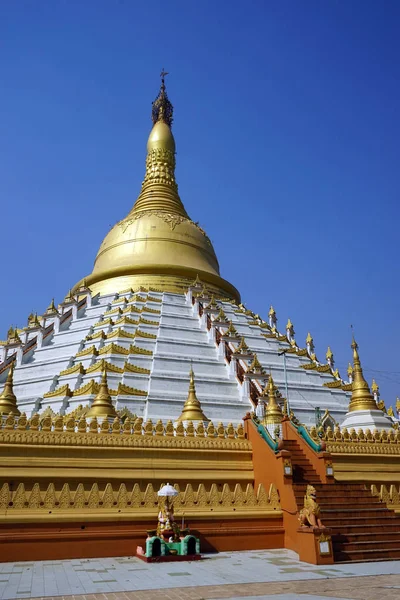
<point>167,490</point>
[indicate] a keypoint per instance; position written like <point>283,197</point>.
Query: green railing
<point>302,431</point>
<point>267,437</point>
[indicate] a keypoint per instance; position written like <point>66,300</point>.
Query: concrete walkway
<point>259,575</point>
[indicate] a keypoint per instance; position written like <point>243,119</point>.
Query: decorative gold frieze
<point>120,333</point>
<point>78,368</point>
<point>104,323</point>
<point>126,390</point>
<point>144,334</point>
<point>136,350</point>
<point>130,368</point>
<point>59,392</point>
<point>87,351</point>
<point>89,388</point>
<point>130,498</point>
<point>132,434</point>
<point>100,365</point>
<point>147,322</point>
<point>153,299</point>
<point>113,349</point>
<point>153,311</point>
<point>126,321</point>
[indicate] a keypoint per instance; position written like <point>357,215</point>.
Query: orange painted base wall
<point>21,542</point>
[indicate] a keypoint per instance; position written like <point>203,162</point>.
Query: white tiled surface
<point>86,576</point>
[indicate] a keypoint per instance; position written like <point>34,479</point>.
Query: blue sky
<point>287,129</point>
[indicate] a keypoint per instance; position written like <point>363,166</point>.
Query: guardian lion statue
<point>310,515</point>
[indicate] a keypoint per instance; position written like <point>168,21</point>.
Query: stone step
<point>363,555</point>
<point>359,528</point>
<point>382,544</point>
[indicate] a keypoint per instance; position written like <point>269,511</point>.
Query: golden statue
<point>310,514</point>
<point>167,529</point>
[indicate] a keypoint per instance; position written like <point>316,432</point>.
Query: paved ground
<point>255,575</point>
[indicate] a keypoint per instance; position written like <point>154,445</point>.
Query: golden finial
<point>329,354</point>
<point>221,316</point>
<point>162,109</point>
<point>309,338</point>
<point>390,411</point>
<point>242,347</point>
<point>231,331</point>
<point>51,309</point>
<point>212,305</point>
<point>271,311</point>
<point>289,325</point>
<point>273,412</point>
<point>375,387</point>
<point>256,367</point>
<point>102,405</point>
<point>34,321</point>
<point>350,370</point>
<point>69,297</point>
<point>12,336</point>
<point>192,410</point>
<point>8,400</point>
<point>197,282</point>
<point>361,397</point>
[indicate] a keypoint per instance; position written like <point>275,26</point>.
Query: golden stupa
<point>157,244</point>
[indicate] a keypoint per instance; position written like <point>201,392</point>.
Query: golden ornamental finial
<point>162,109</point>
<point>361,397</point>
<point>350,370</point>
<point>271,311</point>
<point>329,354</point>
<point>192,410</point>
<point>256,367</point>
<point>374,387</point>
<point>102,404</point>
<point>309,338</point>
<point>8,400</point>
<point>273,412</point>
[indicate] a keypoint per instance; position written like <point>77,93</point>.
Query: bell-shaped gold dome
<point>157,244</point>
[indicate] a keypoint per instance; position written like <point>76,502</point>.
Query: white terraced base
<point>181,339</point>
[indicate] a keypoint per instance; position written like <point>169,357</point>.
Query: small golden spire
<point>51,309</point>
<point>361,397</point>
<point>374,387</point>
<point>231,331</point>
<point>8,400</point>
<point>350,370</point>
<point>271,311</point>
<point>34,322</point>
<point>197,283</point>
<point>212,305</point>
<point>242,347</point>
<point>221,316</point>
<point>192,410</point>
<point>289,325</point>
<point>69,297</point>
<point>12,336</point>
<point>256,367</point>
<point>273,412</point>
<point>329,354</point>
<point>309,338</point>
<point>102,405</point>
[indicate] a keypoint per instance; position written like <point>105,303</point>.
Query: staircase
<point>363,529</point>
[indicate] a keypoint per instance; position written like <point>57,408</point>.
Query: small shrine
<point>168,542</point>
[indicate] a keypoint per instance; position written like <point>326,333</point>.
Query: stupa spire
<point>157,244</point>
<point>102,404</point>
<point>361,397</point>
<point>273,412</point>
<point>8,400</point>
<point>192,410</point>
<point>159,187</point>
